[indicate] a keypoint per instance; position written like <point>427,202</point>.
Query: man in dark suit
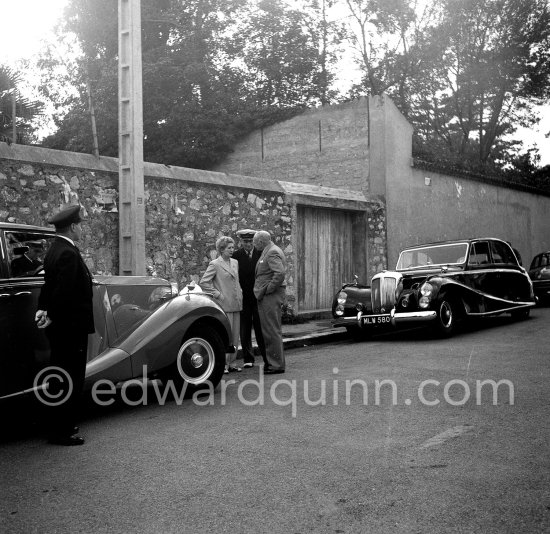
<point>65,310</point>
<point>270,290</point>
<point>248,256</point>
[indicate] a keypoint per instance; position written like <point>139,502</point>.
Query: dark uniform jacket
<point>247,272</point>
<point>67,291</point>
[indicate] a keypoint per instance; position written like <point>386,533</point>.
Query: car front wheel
<point>200,361</point>
<point>447,317</point>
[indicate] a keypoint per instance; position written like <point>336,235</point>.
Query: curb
<point>315,338</point>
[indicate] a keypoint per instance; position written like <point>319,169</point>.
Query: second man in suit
<point>270,290</point>
<point>248,256</point>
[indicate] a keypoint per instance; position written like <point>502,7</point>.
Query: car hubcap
<point>446,314</point>
<point>196,360</point>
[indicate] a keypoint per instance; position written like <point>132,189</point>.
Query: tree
<point>15,108</point>
<point>464,72</point>
<point>204,83</point>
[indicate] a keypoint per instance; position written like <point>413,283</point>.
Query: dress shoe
<point>248,364</point>
<point>66,440</point>
<point>272,371</point>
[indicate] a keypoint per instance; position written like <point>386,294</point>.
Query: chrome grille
<point>383,291</point>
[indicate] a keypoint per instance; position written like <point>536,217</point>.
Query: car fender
<point>156,341</point>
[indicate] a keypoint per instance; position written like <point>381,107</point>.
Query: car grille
<point>383,292</point>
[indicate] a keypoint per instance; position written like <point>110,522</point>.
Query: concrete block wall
<point>322,146</point>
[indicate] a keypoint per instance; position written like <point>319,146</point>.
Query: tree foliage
<point>15,108</point>
<point>212,71</point>
<point>466,73</point>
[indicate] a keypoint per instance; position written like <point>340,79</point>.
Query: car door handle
<point>22,293</point>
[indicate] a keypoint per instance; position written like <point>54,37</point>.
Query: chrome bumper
<point>395,319</point>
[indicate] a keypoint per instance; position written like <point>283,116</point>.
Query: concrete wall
<point>370,149</point>
<point>322,146</point>
<point>424,205</point>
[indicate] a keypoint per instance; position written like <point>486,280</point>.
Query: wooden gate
<point>325,254</point>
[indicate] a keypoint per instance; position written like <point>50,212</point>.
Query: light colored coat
<point>270,271</point>
<point>223,281</point>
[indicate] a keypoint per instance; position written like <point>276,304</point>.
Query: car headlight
<point>359,307</point>
<point>424,302</point>
<point>339,310</point>
<point>426,289</point>
<point>341,297</point>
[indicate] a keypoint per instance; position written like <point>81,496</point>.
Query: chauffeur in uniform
<point>248,256</point>
<point>65,310</point>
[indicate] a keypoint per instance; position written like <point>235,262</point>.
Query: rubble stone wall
<point>186,210</point>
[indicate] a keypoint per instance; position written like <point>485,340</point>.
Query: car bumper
<point>395,319</point>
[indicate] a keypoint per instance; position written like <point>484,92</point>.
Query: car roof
<point>456,242</point>
<point>24,227</point>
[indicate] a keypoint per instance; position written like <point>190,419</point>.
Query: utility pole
<point>130,141</point>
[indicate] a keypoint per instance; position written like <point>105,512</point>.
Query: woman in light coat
<point>222,280</point>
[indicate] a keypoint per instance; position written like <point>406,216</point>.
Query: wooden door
<point>325,255</point>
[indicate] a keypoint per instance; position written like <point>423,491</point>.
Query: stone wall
<point>323,146</point>
<point>186,210</point>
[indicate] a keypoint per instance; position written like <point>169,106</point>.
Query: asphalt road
<point>358,463</point>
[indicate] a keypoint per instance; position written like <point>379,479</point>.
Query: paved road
<point>356,464</point>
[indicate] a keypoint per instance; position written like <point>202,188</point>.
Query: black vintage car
<point>439,284</point>
<point>143,326</point>
<point>539,273</point>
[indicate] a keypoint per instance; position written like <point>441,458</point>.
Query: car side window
<point>479,254</point>
<point>502,253</point>
<point>26,253</point>
<point>543,261</point>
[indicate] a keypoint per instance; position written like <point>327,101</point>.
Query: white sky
<point>27,22</point>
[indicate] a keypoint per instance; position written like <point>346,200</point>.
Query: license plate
<point>377,319</point>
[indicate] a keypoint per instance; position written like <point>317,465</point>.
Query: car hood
<point>109,280</point>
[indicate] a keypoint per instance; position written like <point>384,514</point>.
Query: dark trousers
<point>68,352</point>
<point>249,317</point>
<point>270,310</point>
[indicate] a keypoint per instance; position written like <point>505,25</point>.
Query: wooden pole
<point>130,145</point>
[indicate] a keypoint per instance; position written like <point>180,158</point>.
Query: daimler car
<point>439,284</point>
<point>143,326</point>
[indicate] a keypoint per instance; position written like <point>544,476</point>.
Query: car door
<point>482,276</point>
<point>513,283</point>
<point>24,348</point>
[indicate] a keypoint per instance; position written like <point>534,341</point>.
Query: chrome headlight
<point>426,289</point>
<point>339,310</point>
<point>424,302</point>
<point>341,297</point>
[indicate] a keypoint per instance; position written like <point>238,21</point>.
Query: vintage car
<point>439,284</point>
<point>142,325</point>
<point>539,272</point>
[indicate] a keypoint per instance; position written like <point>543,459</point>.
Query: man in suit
<point>269,289</point>
<point>248,256</point>
<point>65,310</point>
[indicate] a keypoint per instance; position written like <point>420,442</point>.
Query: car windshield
<point>452,254</point>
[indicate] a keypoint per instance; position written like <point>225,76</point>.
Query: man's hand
<point>42,320</point>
